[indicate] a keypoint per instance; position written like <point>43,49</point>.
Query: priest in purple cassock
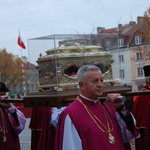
<point>12,122</point>
<point>88,124</point>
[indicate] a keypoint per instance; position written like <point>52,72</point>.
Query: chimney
<point>119,25</point>
<point>99,29</point>
<point>139,21</point>
<point>132,22</point>
<point>118,29</point>
<point>24,59</point>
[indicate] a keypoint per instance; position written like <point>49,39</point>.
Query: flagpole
<point>23,75</point>
<point>29,64</point>
<point>21,44</point>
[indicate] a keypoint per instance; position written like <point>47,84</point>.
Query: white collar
<point>95,101</point>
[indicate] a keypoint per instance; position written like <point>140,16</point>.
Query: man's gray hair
<point>82,72</point>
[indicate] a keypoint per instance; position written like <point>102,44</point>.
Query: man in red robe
<point>140,111</point>
<point>147,131</point>
<point>12,122</point>
<point>36,125</point>
<point>47,135</point>
<point>88,124</point>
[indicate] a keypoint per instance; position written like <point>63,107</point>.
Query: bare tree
<point>144,32</point>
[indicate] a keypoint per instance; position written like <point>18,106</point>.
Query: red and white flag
<point>20,42</point>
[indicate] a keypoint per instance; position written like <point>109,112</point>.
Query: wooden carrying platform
<point>63,98</point>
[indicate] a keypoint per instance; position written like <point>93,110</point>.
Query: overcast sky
<point>37,18</point>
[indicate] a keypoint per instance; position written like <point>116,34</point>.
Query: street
<point>25,137</point>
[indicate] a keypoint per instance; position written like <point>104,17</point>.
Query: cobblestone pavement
<point>25,137</point>
<point>133,145</point>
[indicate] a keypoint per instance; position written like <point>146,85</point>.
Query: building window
<point>27,87</point>
<point>138,40</point>
<point>32,87</point>
<point>120,43</point>
<point>121,73</point>
<point>121,58</point>
<point>108,44</point>
<point>138,56</point>
<point>139,71</point>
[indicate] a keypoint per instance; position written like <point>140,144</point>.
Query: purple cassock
<point>78,129</point>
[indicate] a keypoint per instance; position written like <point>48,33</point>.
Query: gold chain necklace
<point>105,129</point>
<point>3,128</point>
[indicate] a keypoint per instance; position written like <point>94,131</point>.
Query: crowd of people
<point>85,124</point>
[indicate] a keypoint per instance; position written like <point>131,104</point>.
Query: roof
<point>127,32</point>
<point>113,30</point>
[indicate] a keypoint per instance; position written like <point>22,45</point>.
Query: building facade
<point>31,79</point>
<point>129,50</point>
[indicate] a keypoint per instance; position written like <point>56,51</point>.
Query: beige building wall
<point>139,81</point>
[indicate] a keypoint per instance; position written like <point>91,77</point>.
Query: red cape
<point>47,136</point>
<point>140,110</point>
<point>147,132</point>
